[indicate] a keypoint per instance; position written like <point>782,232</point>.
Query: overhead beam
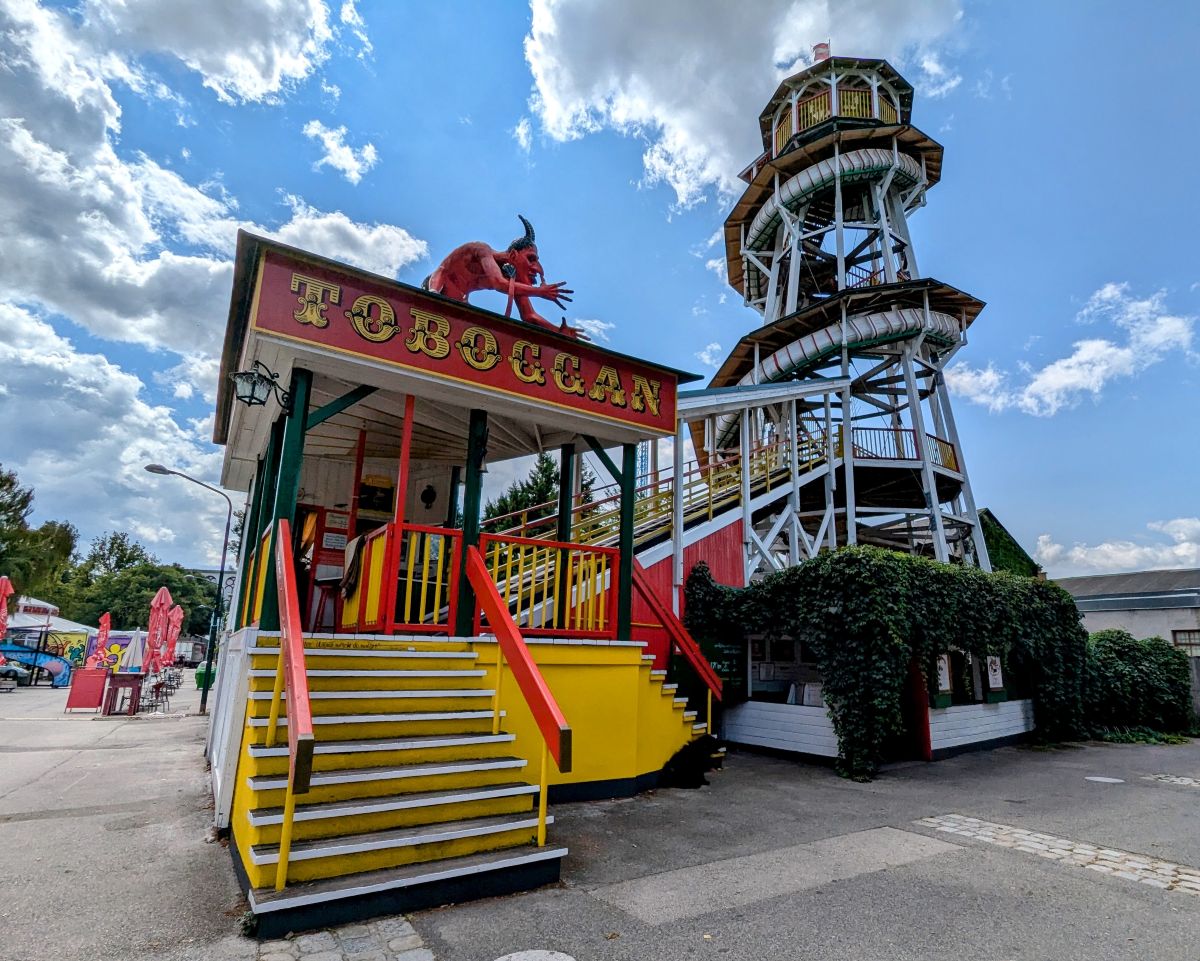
<point>322,414</point>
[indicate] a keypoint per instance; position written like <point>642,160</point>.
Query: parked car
<point>11,671</point>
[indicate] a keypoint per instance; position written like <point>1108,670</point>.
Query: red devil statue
<point>516,271</point>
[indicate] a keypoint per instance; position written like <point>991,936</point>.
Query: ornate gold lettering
<point>428,335</point>
<point>478,348</point>
<point>378,325</point>
<point>645,395</point>
<point>568,381</point>
<point>312,300</point>
<point>525,363</point>
<point>607,386</point>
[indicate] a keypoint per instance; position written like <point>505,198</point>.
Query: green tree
<point>127,591</point>
<point>33,559</point>
<point>111,553</point>
<point>537,494</point>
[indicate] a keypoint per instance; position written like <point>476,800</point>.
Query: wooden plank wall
<point>972,723</point>
<point>786,727</point>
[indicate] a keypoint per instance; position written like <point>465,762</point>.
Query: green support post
<point>249,523</point>
<point>564,530</point>
<point>287,488</point>
<point>252,533</point>
<point>625,542</point>
<point>477,434</point>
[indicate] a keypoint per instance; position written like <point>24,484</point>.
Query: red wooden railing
<point>679,635</point>
<point>291,675</point>
<point>546,714</point>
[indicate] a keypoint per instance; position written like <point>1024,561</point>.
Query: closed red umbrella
<point>174,623</point>
<point>156,632</point>
<point>6,590</point>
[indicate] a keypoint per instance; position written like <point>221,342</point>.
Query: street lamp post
<point>219,612</point>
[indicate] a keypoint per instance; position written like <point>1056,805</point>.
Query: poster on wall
<point>943,673</point>
<point>995,675</point>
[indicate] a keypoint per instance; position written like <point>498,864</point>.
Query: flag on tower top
<point>820,51</point>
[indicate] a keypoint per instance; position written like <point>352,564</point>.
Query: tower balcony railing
<point>898,443</point>
<point>855,102</point>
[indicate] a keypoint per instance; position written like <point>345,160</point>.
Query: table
<point>123,682</point>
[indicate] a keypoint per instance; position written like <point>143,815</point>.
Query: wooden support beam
<point>477,433</point>
<point>322,414</point>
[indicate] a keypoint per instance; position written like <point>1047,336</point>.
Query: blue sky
<point>137,136</point>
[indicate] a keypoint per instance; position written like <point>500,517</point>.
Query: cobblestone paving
<point>1121,864</point>
<point>388,939</point>
<point>1174,779</point>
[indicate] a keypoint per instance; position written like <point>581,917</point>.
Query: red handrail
<point>291,649</point>
<point>678,633</point>
<point>546,714</point>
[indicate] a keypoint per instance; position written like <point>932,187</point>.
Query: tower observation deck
<point>819,245</point>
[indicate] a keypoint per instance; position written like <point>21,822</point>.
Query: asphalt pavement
<point>105,853</point>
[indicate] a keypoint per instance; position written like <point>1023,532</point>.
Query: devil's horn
<point>528,229</point>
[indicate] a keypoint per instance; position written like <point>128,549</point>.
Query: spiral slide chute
<point>59,668</point>
<point>798,190</point>
<point>862,330</point>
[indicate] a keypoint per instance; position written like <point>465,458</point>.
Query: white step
<point>415,742</point>
<point>361,695</point>
<point>690,715</point>
<point>265,900</point>
<point>397,838</point>
<point>378,673</point>
<point>702,726</point>
<point>354,652</point>
<point>260,817</point>
<point>679,701</point>
<point>386,718</point>
<point>658,673</point>
<point>271,782</point>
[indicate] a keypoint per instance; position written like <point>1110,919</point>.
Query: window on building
<point>1189,641</point>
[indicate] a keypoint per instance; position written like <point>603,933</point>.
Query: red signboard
<point>349,313</point>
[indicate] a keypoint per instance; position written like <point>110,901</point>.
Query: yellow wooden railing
<point>813,110</point>
<point>554,588</point>
<point>783,131</point>
<point>854,102</point>
<point>428,577</point>
<point>887,111</point>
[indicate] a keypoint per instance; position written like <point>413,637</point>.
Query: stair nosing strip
<point>398,695</point>
<point>326,778</point>
<point>331,809</point>
<point>431,837</point>
<point>390,718</point>
<point>338,747</point>
<point>543,854</point>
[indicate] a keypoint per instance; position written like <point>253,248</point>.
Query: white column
<point>677,519</point>
<point>839,233</point>
<point>794,465</point>
<point>981,554</point>
<point>747,518</point>
<point>920,442</point>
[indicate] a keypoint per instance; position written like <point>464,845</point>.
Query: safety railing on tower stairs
<point>511,648</point>
<point>291,676</point>
<point>897,443</point>
<point>708,490</point>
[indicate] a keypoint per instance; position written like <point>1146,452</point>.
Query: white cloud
<point>692,85</point>
<point>595,329</point>
<point>719,268</point>
<point>1149,332</point>
<point>244,50</point>
<point>351,18</point>
<point>711,355</point>
<point>340,155</point>
<point>1181,548</point>
<point>523,134</point>
<point>936,79</point>
<point>82,410</point>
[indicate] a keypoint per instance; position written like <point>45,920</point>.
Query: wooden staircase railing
<point>556,733</point>
<point>291,674</point>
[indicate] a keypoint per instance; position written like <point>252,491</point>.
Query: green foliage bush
<point>1138,684</point>
<point>866,613</point>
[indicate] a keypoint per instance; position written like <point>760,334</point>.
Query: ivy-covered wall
<point>866,613</point>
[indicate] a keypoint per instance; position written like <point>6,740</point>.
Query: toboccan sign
<point>347,312</point>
